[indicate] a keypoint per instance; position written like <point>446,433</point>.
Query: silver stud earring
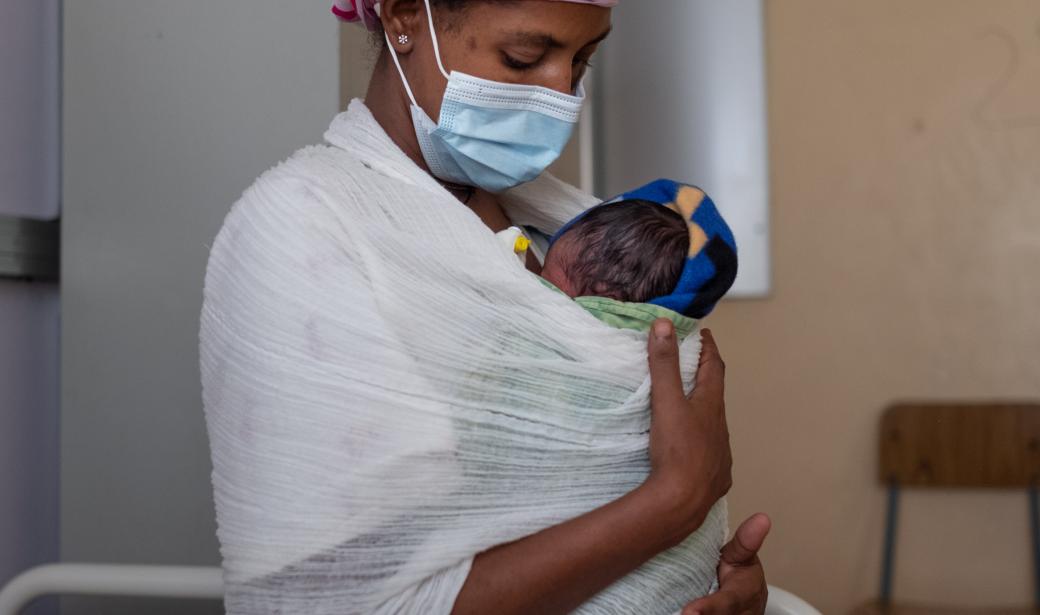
<point>403,39</point>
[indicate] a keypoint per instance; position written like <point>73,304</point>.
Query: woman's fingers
<point>744,601</point>
<point>742,550</point>
<point>666,388</point>
<point>719,603</point>
<point>690,460</point>
<point>743,589</point>
<point>711,369</point>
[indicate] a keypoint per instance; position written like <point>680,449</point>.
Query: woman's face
<point>535,42</point>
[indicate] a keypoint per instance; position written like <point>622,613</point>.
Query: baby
<point>664,244</point>
<point>630,251</point>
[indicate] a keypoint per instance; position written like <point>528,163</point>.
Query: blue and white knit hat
<point>711,266</point>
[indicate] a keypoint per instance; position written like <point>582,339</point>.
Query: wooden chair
<point>959,446</point>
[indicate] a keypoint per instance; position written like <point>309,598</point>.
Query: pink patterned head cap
<point>367,11</point>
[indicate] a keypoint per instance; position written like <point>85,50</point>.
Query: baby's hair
<point>632,250</point>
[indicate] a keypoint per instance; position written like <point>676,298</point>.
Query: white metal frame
<point>198,582</point>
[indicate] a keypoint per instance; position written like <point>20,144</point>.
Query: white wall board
<point>681,93</point>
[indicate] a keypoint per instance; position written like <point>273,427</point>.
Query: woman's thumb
<point>747,540</point>
<point>666,388</point>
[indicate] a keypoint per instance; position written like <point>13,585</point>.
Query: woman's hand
<point>742,581</point>
<point>691,463</point>
<point>689,440</point>
<point>557,569</point>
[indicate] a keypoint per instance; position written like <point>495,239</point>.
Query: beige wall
<point>357,55</point>
<point>905,152</point>
<point>906,226</point>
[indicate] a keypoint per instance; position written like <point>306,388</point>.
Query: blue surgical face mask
<point>492,135</point>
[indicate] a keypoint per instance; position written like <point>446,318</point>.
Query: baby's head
<point>631,250</point>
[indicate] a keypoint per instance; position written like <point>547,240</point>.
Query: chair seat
<point>875,608</point>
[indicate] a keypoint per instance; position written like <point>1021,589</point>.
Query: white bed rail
<point>197,582</point>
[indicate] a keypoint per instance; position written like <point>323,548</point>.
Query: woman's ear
<point>403,21</point>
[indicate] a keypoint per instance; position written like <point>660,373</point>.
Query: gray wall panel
<point>171,109</point>
<point>29,187</point>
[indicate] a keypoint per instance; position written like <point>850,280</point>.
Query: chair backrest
<point>961,445</point>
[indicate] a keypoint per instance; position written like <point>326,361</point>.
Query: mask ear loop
<point>400,71</point>
<point>436,53</point>
<point>436,43</point>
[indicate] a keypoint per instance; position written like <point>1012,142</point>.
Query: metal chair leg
<point>889,549</point>
<point>1034,526</point>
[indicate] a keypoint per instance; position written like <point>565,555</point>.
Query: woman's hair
<point>453,8</point>
<point>632,250</point>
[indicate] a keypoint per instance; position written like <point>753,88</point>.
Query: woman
<point>307,277</point>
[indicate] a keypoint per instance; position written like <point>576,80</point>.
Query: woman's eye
<point>578,70</point>
<point>516,64</point>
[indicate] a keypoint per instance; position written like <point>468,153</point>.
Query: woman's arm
<point>557,569</point>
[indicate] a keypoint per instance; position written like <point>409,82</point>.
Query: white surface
<point>681,94</point>
<point>29,107</point>
<point>783,602</point>
<point>111,580</point>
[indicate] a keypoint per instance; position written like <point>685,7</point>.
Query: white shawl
<point>388,392</point>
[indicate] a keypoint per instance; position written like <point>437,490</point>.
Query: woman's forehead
<point>540,22</point>
<point>545,39</point>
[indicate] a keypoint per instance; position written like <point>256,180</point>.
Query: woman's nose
<point>564,81</point>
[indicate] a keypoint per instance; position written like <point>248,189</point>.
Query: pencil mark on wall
<point>1012,67</point>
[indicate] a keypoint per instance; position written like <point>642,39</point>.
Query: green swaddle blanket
<point>634,316</point>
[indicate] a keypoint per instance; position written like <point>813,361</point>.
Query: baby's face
<point>555,267</point>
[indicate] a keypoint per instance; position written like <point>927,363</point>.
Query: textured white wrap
<point>388,392</point>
